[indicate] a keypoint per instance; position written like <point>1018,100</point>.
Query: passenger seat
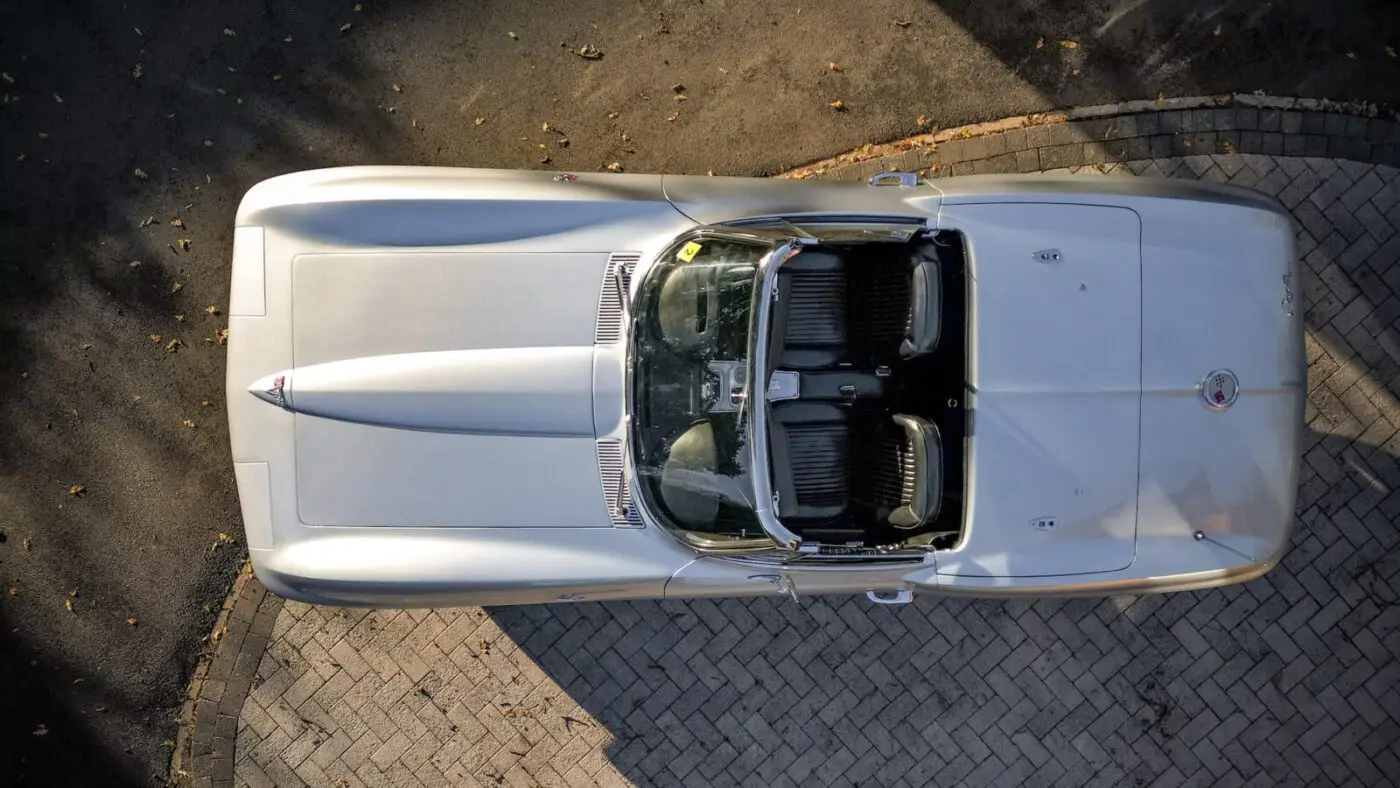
<point>810,445</point>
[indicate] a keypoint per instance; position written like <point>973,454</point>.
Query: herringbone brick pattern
<point>1293,679</point>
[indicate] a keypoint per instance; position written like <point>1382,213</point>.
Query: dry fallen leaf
<point>175,288</point>
<point>221,336</point>
<point>589,52</point>
<point>76,490</point>
<point>562,142</point>
<point>1391,52</point>
<point>513,36</point>
<point>1069,44</point>
<point>86,346</point>
<point>131,622</point>
<point>612,116</point>
<point>345,28</point>
<point>6,76</point>
<point>615,167</point>
<point>42,730</point>
<point>68,603</point>
<point>671,117</point>
<point>155,337</point>
<point>206,402</point>
<point>1351,55</point>
<point>179,318</point>
<point>140,174</point>
<point>173,345</point>
<point>1217,30</point>
<point>137,71</point>
<point>28,544</point>
<point>177,222</point>
<point>1040,43</point>
<point>478,121</point>
<point>833,67</point>
<point>838,105</point>
<point>213,310</point>
<point>184,244</point>
<point>228,31</point>
<point>902,23</point>
<point>546,128</point>
<point>188,423</point>
<point>208,143</point>
<point>922,120</point>
<point>14,590</point>
<point>58,98</point>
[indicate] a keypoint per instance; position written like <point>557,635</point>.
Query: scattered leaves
<point>221,336</point>
<point>345,28</point>
<point>922,120</point>
<point>228,31</point>
<point>220,540</point>
<point>76,490</point>
<point>672,115</point>
<point>1067,44</point>
<point>589,52</point>
<point>833,67</point>
<point>155,337</point>
<point>902,23</point>
<point>478,121</point>
<point>175,288</point>
<point>206,402</point>
<point>140,174</point>
<point>513,36</point>
<point>177,222</point>
<point>838,105</point>
<point>173,345</point>
<point>213,310</point>
<point>137,71</point>
<point>131,622</point>
<point>615,167</point>
<point>189,423</point>
<point>396,87</point>
<point>184,244</point>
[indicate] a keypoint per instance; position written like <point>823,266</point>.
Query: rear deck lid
<point>1055,387</point>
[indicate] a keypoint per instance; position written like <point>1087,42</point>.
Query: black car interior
<point>870,452</point>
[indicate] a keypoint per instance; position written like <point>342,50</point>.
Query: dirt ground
<point>129,130</point>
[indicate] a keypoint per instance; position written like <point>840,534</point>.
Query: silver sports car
<point>454,386</point>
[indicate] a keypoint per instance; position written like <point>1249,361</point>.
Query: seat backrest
<point>809,448</point>
<point>925,310</point>
<point>905,461</point>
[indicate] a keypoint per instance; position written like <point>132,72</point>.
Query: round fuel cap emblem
<point>1219,389</point>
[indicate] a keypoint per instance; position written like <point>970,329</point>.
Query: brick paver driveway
<point>1291,679</point>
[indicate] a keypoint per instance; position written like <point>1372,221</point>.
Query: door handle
<point>901,596</point>
<point>780,582</point>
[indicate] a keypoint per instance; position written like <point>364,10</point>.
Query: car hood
<point>421,348</point>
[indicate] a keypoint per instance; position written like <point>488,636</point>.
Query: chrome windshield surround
<point>765,504</point>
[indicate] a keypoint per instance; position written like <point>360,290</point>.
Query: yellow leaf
<point>615,167</point>
<point>68,603</point>
<point>1040,43</point>
<point>833,66</point>
<point>206,402</point>
<point>134,264</point>
<point>76,490</point>
<point>1069,44</point>
<point>184,244</point>
<point>213,310</point>
<point>155,337</point>
<point>131,622</point>
<point>478,121</point>
<point>175,288</point>
<point>140,174</point>
<point>173,345</point>
<point>188,423</point>
<point>838,105</point>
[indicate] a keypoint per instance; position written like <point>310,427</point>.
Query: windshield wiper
<point>620,281</point>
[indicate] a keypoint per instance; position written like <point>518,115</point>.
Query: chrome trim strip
<point>764,504</point>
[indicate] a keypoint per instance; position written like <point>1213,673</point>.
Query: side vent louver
<point>615,493</point>
<point>611,296</point>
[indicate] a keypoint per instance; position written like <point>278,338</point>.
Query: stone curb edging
<point>1098,135</point>
<point>1128,131</point>
<point>204,754</point>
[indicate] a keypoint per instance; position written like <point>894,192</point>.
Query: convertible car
<point>457,386</point>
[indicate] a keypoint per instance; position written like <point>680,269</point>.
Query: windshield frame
<point>774,242</point>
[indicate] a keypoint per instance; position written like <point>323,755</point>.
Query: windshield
<point>690,357</point>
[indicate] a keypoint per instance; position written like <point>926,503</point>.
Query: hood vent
<point>615,493</point>
<point>616,280</point>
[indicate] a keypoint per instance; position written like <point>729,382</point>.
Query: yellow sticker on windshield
<point>688,252</point>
